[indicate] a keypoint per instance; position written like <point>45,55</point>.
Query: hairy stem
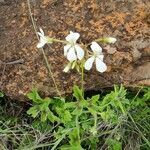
<point>48,66</point>
<point>82,79</point>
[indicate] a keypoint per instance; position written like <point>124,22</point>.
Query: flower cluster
<point>75,53</point>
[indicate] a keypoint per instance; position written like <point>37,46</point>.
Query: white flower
<point>72,50</point>
<point>43,39</point>
<point>111,40</point>
<point>97,57</point>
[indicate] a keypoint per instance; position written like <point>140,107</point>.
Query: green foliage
<point>113,121</point>
<point>114,105</point>
<point>83,122</point>
<point>114,144</point>
<point>41,107</point>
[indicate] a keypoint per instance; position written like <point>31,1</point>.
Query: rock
<point>128,62</point>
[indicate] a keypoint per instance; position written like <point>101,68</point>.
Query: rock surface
<point>127,20</point>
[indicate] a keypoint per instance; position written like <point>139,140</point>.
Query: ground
<point>128,21</point>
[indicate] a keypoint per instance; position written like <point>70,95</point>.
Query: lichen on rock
<point>127,21</point>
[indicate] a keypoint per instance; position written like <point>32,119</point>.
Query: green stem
<point>121,106</point>
<point>82,79</point>
<point>50,72</point>
<point>77,126</point>
<point>61,41</point>
<point>95,121</point>
<point>97,40</point>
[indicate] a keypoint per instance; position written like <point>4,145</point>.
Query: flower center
<point>96,53</point>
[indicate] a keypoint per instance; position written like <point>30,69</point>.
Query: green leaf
<point>60,99</point>
<point>33,111</point>
<point>1,94</point>
<point>77,93</point>
<point>93,142</point>
<point>87,125</point>
<point>70,105</point>
<point>67,116</point>
<point>95,98</point>
<point>109,115</point>
<point>146,96</point>
<point>104,116</point>
<point>34,96</point>
<point>92,111</point>
<point>45,104</point>
<point>64,115</point>
<point>44,116</point>
<point>74,138</point>
<point>52,117</point>
<point>117,146</point>
<point>77,111</point>
<point>114,144</point>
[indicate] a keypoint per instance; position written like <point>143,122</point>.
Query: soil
<point>128,61</point>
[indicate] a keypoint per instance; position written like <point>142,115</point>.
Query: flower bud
<point>67,68</point>
<point>110,40</point>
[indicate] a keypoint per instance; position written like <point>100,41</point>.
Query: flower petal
<point>101,57</point>
<point>42,42</point>
<point>88,64</point>
<point>100,65</point>
<point>71,56</point>
<point>96,48</point>
<point>66,48</point>
<point>80,52</point>
<point>42,32</point>
<point>72,37</point>
<point>40,45</point>
<point>67,68</point>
